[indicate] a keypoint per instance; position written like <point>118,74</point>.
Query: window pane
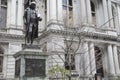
<point>98,60</point>
<point>1,62</point>
<point>67,13</point>
<point>64,2</point>
<point>69,61</point>
<point>70,2</point>
<point>3,2</point>
<point>93,13</point>
<point>17,68</point>
<point>3,17</point>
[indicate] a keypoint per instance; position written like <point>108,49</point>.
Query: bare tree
<point>71,40</point>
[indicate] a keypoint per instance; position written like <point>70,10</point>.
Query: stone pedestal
<point>31,64</point>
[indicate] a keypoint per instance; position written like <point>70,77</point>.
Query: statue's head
<point>33,5</point>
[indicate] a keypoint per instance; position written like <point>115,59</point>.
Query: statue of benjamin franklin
<point>31,19</point>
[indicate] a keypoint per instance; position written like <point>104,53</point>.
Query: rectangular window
<point>3,13</point>
<point>93,13</point>
<point>1,60</point>
<point>45,12</point>
<point>70,61</point>
<point>17,68</point>
<point>70,48</point>
<point>98,60</point>
<point>68,12</point>
<point>1,63</point>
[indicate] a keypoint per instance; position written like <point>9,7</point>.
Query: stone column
<point>12,13</point>
<point>89,15</point>
<point>19,14</point>
<point>117,68</point>
<point>99,12</point>
<point>77,13</point>
<point>48,10</point>
<point>118,28</point>
<point>77,62</point>
<point>22,68</point>
<point>8,13</point>
<point>110,13</point>
<point>83,12</point>
<point>92,58</point>
<point>54,13</point>
<point>86,59</point>
<point>116,18</point>
<point>59,10</point>
<point>14,17</point>
<point>110,60</point>
<point>105,10</point>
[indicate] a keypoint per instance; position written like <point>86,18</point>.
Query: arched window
<point>1,59</point>
<point>3,13</point>
<point>68,12</point>
<point>93,13</point>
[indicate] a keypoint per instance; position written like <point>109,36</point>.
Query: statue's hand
<point>25,23</point>
<point>39,19</point>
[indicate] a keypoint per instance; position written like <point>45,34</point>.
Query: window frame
<point>69,55</point>
<point>3,6</point>
<point>98,60</point>
<point>1,55</point>
<point>69,12</point>
<point>93,12</point>
<point>70,61</point>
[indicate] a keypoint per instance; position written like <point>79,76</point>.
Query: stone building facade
<point>93,23</point>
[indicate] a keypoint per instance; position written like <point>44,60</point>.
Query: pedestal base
<point>31,64</point>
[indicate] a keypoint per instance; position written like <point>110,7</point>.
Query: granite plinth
<point>30,55</point>
<point>25,46</point>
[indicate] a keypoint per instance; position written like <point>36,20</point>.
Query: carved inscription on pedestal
<point>35,68</point>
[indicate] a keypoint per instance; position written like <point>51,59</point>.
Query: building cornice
<point>92,35</point>
<point>100,36</point>
<point>85,34</point>
<point>4,37</point>
<point>13,36</point>
<point>116,1</point>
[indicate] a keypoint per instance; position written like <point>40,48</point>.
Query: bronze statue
<point>31,19</point>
